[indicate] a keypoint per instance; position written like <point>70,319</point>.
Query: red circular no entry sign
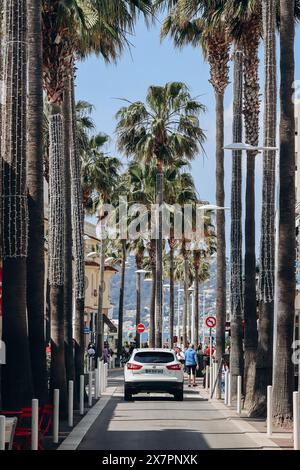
<point>140,328</point>
<point>210,322</point>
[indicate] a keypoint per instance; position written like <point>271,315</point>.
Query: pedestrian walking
<point>191,365</point>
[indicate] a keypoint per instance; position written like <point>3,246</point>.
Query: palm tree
<point>35,186</point>
<point>165,128</point>
<point>17,377</point>
<point>99,179</point>
<point>236,351</point>
<point>284,368</point>
<point>263,375</point>
<point>139,261</point>
<point>244,19</point>
<point>193,22</point>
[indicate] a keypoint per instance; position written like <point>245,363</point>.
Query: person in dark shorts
<point>191,365</point>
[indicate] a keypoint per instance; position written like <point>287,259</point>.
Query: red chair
<point>45,423</point>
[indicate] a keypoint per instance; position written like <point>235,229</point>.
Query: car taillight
<point>174,367</point>
<point>131,366</point>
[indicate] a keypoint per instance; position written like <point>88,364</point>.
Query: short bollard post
<point>81,397</point>
<point>90,388</point>
<point>2,432</point>
<point>34,424</point>
<point>226,388</point>
<point>71,403</point>
<point>96,384</point>
<point>55,415</point>
<point>239,395</point>
<point>229,390</point>
<point>99,380</point>
<point>296,421</point>
<point>206,377</point>
<point>102,377</point>
<point>106,374</point>
<point>269,410</point>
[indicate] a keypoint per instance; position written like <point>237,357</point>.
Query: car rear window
<point>154,357</point>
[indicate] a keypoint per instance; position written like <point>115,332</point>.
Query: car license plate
<point>154,371</point>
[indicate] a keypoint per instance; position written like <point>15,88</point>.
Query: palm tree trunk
<point>35,185</point>
<point>121,300</point>
<point>236,290</point>
<point>56,254</point>
<point>186,300</point>
<point>196,310</point>
<point>68,269</point>
<point>138,308</point>
<point>17,377</point>
<point>221,238</point>
<point>250,44</point>
<point>250,284</point>
<point>152,253</point>
<point>172,306</point>
<point>100,321</point>
<point>284,368</point>
<point>264,358</point>
<point>159,257</point>
<point>78,246</point>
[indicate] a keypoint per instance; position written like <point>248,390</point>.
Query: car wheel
<point>127,395</point>
<point>178,395</point>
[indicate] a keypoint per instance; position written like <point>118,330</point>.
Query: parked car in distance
<point>153,371</point>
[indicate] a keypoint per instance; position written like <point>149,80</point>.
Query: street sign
<point>86,330</point>
<point>140,328</point>
<point>211,322</point>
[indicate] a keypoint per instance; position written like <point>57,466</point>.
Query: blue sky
<point>150,62</point>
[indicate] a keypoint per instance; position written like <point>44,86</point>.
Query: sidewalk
<point>256,429</point>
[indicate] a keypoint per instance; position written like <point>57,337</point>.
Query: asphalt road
<point>158,422</point>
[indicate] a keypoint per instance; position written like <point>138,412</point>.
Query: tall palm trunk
<point>218,58</point>
<point>56,253</point>
<point>138,308</point>
<point>100,321</point>
<point>236,351</point>
<point>17,383</point>
<point>35,185</point>
<point>159,257</point>
<point>68,282</point>
<point>152,253</point>
<point>172,303</point>
<point>267,250</point>
<point>139,256</point>
<point>284,368</point>
<point>196,306</point>
<point>121,299</point>
<point>186,293</point>
<point>78,246</point>
<point>250,45</point>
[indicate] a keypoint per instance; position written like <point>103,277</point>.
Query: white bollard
<point>102,377</point>
<point>2,432</point>
<point>99,382</point>
<point>106,375</point>
<point>34,424</point>
<point>296,421</point>
<point>206,377</point>
<point>90,388</point>
<point>210,379</point>
<point>71,403</point>
<point>269,410</point>
<point>229,390</point>
<point>96,390</point>
<point>226,387</point>
<point>239,395</point>
<point>55,415</point>
<point>81,396</point>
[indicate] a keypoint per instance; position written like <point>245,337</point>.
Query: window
<point>154,357</point>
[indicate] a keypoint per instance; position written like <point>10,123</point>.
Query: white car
<point>153,370</point>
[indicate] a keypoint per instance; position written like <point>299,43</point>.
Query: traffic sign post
<point>210,323</point>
